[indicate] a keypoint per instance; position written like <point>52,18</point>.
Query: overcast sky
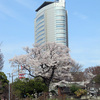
<point>17,29</point>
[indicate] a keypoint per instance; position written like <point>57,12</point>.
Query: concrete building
<point>51,23</point>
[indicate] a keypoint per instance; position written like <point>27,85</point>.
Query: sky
<point>17,29</point>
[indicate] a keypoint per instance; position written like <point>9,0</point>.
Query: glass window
<point>40,18</point>
<point>40,40</point>
<point>39,28</point>
<point>60,28</point>
<point>60,12</point>
<point>60,21</point>
<point>40,36</point>
<point>40,32</point>
<point>61,42</point>
<point>60,38</point>
<point>60,17</point>
<point>60,33</point>
<point>60,25</point>
<point>39,24</point>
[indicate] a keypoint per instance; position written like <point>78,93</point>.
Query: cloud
<point>87,55</point>
<point>7,11</point>
<point>90,62</point>
<point>2,16</point>
<point>97,61</point>
<point>27,3</point>
<point>80,15</point>
<point>13,49</point>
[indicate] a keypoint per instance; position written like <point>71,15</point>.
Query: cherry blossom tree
<point>49,61</point>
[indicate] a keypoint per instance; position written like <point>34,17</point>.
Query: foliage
<point>74,88</point>
<point>47,61</point>
<point>3,85</point>
<point>97,79</point>
<point>19,87</point>
<point>80,92</point>
<point>53,92</point>
<point>26,87</point>
<point>52,99</point>
<point>3,79</point>
<point>39,86</point>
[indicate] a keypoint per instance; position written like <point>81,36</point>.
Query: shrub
<point>74,88</point>
<point>53,92</point>
<point>80,92</point>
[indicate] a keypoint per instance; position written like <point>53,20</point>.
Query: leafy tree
<point>19,88</point>
<point>97,79</point>
<point>49,61</point>
<point>3,84</point>
<point>3,79</point>
<point>39,85</point>
<point>25,87</point>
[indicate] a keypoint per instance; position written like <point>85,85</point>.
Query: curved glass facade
<point>39,29</point>
<point>39,24</point>
<point>40,18</point>
<point>51,23</point>
<point>60,25</point>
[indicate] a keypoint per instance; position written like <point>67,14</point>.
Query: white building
<point>51,23</point>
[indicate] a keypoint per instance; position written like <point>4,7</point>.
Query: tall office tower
<point>51,23</point>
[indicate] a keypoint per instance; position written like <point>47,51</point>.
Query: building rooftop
<point>43,5</point>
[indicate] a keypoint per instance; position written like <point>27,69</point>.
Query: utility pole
<point>9,85</point>
<point>12,78</point>
<point>12,88</point>
<point>18,71</point>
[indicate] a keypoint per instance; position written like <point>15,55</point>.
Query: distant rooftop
<point>43,5</point>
